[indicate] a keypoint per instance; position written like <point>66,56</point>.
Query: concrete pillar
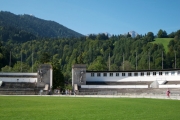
<point>78,75</point>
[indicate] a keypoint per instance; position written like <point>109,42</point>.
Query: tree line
<point>123,51</point>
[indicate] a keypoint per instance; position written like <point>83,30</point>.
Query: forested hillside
<point>13,34</point>
<point>36,26</point>
<point>23,50</point>
<point>94,51</point>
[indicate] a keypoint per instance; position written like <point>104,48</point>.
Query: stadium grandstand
<point>27,83</point>
<point>86,82</point>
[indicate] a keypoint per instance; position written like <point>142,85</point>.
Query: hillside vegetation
<point>164,41</point>
<point>94,52</point>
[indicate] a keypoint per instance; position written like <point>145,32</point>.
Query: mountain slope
<point>36,26</point>
<point>14,34</point>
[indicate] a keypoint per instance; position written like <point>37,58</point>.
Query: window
<point>142,74</point>
<point>123,74</point>
<point>135,74</point>
<point>154,73</point>
<point>160,73</point>
<point>166,73</point>
<point>148,73</point>
<point>111,74</point>
<point>129,74</point>
<point>92,74</point>
<point>98,74</point>
<point>117,74</point>
<point>105,74</point>
<point>172,73</point>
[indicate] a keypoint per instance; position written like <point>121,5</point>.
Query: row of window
<point>136,74</point>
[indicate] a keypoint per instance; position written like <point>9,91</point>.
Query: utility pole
<point>32,54</point>
<point>162,59</point>
<point>149,60</point>
<point>109,62</point>
<point>136,60</point>
<point>32,61</point>
<point>175,59</point>
<point>21,60</point>
<point>10,61</point>
<point>123,61</point>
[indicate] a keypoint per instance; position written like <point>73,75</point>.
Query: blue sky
<point>97,16</point>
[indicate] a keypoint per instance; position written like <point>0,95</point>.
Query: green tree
<point>150,36</point>
<point>160,33</point>
<point>6,69</point>
<point>44,58</point>
<point>114,67</point>
<point>171,35</point>
<point>165,34</point>
<point>128,35</point>
<point>21,67</point>
<point>58,77</point>
<point>177,35</point>
<point>68,86</point>
<point>98,64</point>
<point>126,66</point>
<point>80,59</point>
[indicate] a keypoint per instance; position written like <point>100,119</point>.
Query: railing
<point>114,86</point>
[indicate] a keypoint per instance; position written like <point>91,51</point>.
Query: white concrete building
<point>154,78</point>
<point>42,78</point>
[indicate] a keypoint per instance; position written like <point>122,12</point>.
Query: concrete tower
<point>78,75</point>
<point>45,76</point>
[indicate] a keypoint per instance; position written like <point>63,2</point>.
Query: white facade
<point>17,74</point>
<point>18,77</point>
<point>108,76</point>
<point>151,78</point>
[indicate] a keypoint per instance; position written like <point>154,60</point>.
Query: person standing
<point>168,93</point>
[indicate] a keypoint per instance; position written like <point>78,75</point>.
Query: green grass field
<point>74,108</point>
<point>164,41</point>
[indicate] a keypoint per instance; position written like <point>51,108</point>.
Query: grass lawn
<point>74,108</point>
<point>164,41</point>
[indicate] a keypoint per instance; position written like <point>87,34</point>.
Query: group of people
<point>65,92</point>
<point>68,92</point>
